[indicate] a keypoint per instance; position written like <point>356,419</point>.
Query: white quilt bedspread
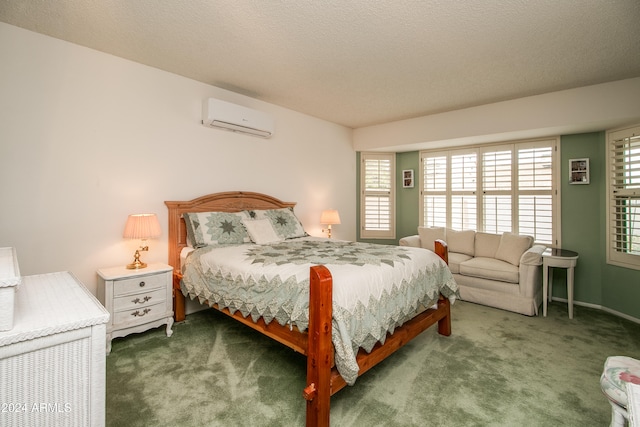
<point>376,288</point>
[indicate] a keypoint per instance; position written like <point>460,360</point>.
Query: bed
<point>316,321</point>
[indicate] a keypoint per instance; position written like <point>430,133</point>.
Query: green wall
<point>407,199</point>
<point>583,213</point>
<point>583,218</point>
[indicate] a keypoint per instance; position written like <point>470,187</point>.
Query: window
<point>377,201</point>
<point>496,189</point>
<point>623,213</point>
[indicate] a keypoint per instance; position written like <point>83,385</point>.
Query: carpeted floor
<point>496,369</point>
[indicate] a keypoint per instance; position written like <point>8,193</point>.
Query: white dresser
<point>138,300</point>
<point>52,362</point>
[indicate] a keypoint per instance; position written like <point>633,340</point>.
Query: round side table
<point>560,258</point>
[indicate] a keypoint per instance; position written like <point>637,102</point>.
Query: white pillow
<point>428,235</point>
<point>487,244</point>
<point>284,221</point>
<point>512,246</point>
<point>261,231</point>
<point>462,242</point>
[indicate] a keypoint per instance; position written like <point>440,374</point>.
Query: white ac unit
<point>236,118</point>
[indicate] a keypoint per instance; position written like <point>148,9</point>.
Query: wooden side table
<point>559,258</point>
<point>138,300</point>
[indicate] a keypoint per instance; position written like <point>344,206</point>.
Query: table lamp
<point>143,227</point>
<point>329,218</point>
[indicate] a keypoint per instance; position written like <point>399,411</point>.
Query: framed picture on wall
<point>579,171</point>
<point>407,178</point>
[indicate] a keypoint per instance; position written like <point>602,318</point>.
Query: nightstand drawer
<point>138,284</point>
<point>139,300</point>
<point>139,314</point>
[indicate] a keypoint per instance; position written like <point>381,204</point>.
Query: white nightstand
<point>137,299</point>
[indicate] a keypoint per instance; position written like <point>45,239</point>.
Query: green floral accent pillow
<point>215,228</point>
<point>284,221</point>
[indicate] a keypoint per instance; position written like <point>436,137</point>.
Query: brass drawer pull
<point>141,301</point>
<point>138,314</point>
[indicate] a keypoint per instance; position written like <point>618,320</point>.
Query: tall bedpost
<point>444,325</point>
<point>320,352</point>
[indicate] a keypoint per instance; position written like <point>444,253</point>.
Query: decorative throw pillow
<point>512,246</point>
<point>261,231</point>
<point>284,221</point>
<point>487,244</point>
<point>428,235</point>
<point>213,228</point>
<point>462,242</point>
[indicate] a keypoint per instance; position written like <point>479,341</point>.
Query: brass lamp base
<point>137,264</point>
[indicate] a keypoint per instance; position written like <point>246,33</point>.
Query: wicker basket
<point>9,281</point>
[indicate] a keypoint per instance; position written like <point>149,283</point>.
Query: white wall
<point>585,109</point>
<point>87,138</point>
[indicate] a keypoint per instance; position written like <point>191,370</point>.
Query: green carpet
<point>496,369</point>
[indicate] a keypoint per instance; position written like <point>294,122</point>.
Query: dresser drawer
<point>139,300</point>
<point>139,314</point>
<point>138,284</point>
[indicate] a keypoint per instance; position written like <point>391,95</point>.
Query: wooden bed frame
<point>323,380</point>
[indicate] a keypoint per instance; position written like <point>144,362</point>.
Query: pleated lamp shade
<point>330,216</point>
<point>142,226</point>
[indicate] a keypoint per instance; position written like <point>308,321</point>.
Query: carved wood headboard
<point>231,201</point>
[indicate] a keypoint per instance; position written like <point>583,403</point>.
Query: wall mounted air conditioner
<point>236,118</point>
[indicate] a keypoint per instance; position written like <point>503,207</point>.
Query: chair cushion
<point>619,370</point>
<point>490,268</point>
<point>454,261</point>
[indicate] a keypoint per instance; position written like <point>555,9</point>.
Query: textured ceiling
<point>361,62</point>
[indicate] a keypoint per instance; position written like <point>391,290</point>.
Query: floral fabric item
<point>376,288</point>
<point>214,228</point>
<point>323,252</point>
<point>284,221</point>
<point>619,370</point>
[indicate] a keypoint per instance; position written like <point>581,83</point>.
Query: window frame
<point>618,258</point>
<point>390,233</point>
<point>514,192</point>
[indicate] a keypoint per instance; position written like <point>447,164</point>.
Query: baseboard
<point>599,307</point>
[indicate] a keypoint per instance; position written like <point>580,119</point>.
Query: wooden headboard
<point>231,201</point>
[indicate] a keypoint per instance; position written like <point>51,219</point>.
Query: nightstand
<point>138,300</point>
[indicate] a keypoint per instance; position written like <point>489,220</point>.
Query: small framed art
<point>579,171</point>
<point>407,178</point>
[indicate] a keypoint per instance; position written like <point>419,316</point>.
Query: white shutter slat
<point>377,218</point>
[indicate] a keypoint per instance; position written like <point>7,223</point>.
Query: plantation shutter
<point>535,191</point>
<point>624,203</point>
<point>464,183</point>
<point>497,190</point>
<point>378,202</point>
<point>434,190</point>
